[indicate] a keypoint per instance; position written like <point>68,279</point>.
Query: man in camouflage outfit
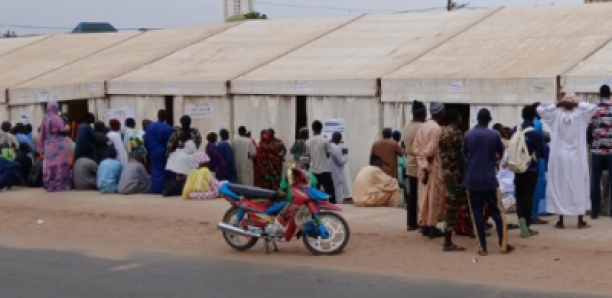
<point>453,164</point>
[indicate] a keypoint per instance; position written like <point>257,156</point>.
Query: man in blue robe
<point>228,155</point>
<point>156,141</point>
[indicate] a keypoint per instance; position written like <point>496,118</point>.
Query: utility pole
<point>449,5</point>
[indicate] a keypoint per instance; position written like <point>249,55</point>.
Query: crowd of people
<point>438,171</point>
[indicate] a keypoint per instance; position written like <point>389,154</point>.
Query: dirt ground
<point>109,226</point>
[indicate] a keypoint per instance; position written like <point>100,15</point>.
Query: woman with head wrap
<point>201,183</point>
<point>115,136</point>
<point>267,163</point>
<point>217,162</point>
<point>53,144</point>
<point>174,142</point>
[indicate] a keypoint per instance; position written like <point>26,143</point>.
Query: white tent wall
<point>258,112</point>
<point>98,107</point>
<point>4,114</point>
<point>362,116</point>
<point>145,107</point>
<point>221,113</point>
<point>34,112</point>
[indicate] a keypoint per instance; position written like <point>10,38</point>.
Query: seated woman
<point>109,173</point>
<point>374,188</point>
<point>10,173</point>
<point>134,177</point>
<point>85,174</point>
<point>181,162</point>
<point>201,183</point>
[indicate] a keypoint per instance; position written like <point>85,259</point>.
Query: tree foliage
<point>248,16</point>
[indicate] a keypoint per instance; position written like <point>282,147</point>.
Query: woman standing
<point>54,145</point>
<point>175,141</point>
<point>217,162</point>
<point>267,163</point>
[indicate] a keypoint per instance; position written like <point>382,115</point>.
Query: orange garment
<point>431,195</point>
<point>374,188</point>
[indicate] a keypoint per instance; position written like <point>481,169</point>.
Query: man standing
<point>601,138</point>
<point>338,158</point>
<point>525,183</point>
<point>156,142</point>
<point>388,150</point>
<point>228,154</point>
<point>244,153</point>
<point>419,113</point>
<point>482,146</point>
<point>318,149</point>
<point>431,183</point>
<point>568,186</point>
<point>85,145</point>
<point>453,165</point>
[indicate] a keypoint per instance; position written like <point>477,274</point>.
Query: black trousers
<point>412,201</point>
<point>525,186</point>
<point>327,183</point>
<point>477,200</point>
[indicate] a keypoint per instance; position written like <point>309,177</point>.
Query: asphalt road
<point>53,274</point>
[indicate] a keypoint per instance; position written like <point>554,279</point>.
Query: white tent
<point>85,79</point>
<point>587,77</point>
<point>44,56</point>
<point>338,74</point>
<point>8,45</point>
<point>197,76</point>
<point>510,59</point>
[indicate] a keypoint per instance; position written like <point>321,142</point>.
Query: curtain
<point>258,112</point>
<point>362,116</point>
<point>4,113</point>
<point>98,107</point>
<point>219,117</point>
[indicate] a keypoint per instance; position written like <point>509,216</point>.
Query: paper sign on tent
<point>199,110</point>
<point>334,125</point>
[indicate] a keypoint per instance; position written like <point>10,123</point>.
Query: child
<point>109,173</point>
<point>201,183</point>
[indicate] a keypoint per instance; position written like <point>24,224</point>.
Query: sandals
<point>453,247</point>
<point>539,221</point>
<point>559,226</point>
<point>509,249</point>
<point>583,226</point>
<point>482,253</point>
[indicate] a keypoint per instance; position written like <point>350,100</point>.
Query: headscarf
<point>436,107</point>
<point>185,123</point>
<point>571,97</point>
<point>203,158</point>
<point>397,136</point>
<point>52,107</point>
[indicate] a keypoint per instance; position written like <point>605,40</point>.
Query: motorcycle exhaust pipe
<point>236,230</point>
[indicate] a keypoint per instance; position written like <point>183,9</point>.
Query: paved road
<point>53,274</point>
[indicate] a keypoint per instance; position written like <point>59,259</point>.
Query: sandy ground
<point>116,226</point>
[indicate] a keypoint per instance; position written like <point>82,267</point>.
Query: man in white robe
<point>338,158</point>
<point>568,169</point>
<point>244,153</point>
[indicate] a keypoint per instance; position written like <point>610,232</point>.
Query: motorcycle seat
<point>252,192</point>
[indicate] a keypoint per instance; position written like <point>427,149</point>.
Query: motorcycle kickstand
<point>267,244</point>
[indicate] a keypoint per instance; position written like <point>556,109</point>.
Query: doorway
<point>464,111</point>
<point>301,114</point>
<point>75,113</point>
<point>169,107</point>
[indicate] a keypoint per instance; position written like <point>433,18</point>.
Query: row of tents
<point>363,71</point>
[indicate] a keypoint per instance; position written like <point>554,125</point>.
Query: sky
<point>54,16</point>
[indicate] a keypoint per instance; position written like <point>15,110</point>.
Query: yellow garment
<point>431,195</point>
<point>374,188</point>
<point>199,180</point>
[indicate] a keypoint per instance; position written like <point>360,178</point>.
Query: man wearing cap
<point>567,192</point>
<point>432,189</point>
<point>419,114</point>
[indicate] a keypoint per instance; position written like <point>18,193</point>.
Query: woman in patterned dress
<point>54,145</point>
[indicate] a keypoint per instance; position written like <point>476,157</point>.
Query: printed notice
<point>301,86</point>
<point>334,125</point>
<point>199,110</point>
<point>457,87</point>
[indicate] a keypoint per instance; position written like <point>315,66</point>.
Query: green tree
<point>248,16</point>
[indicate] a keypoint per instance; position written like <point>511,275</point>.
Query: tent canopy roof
<point>50,54</point>
<point>349,60</point>
<point>591,73</point>
<point>8,45</point>
<point>205,67</point>
<point>516,53</point>
<point>85,78</point>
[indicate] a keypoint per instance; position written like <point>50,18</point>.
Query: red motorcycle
<point>258,214</point>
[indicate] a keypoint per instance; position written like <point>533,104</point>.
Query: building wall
<point>234,7</point>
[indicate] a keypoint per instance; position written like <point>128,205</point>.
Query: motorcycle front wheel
<point>237,242</point>
<point>339,235</point>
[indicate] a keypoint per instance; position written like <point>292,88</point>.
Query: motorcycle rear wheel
<point>329,247</point>
<point>232,239</point>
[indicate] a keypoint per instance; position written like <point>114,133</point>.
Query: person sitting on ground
<point>201,183</point>
<point>8,142</point>
<point>181,162</point>
<point>24,160</point>
<point>35,178</point>
<point>374,188</point>
<point>10,174</point>
<point>85,174</point>
<point>134,177</point>
<point>109,173</point>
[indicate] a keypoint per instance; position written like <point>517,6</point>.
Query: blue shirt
<point>21,138</point>
<point>109,173</point>
<point>535,143</point>
<point>481,147</point>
